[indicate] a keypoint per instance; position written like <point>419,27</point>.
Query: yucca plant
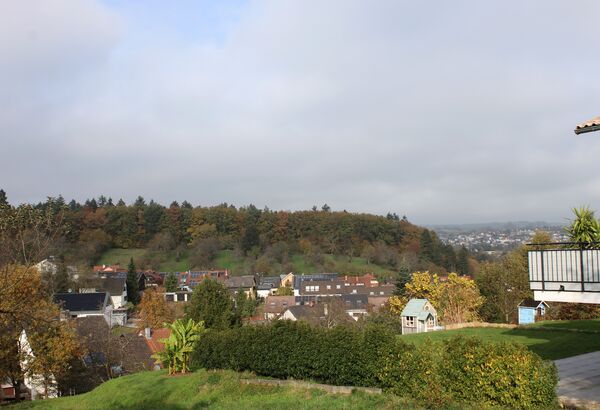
<point>179,345</point>
<point>584,229</point>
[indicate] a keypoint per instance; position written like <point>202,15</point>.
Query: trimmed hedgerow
<point>341,356</point>
<point>460,370</point>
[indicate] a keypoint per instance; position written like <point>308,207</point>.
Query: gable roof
<point>298,279</point>
<point>82,302</point>
<point>113,285</point>
<point>268,282</point>
<point>277,304</point>
<point>532,303</point>
<point>355,301</point>
<point>236,282</point>
<point>417,308</point>
<point>588,126</point>
<point>307,312</point>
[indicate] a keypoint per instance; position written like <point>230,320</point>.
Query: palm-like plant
<point>585,228</point>
<point>179,345</point>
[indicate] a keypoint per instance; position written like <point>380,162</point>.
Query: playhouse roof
<point>418,308</point>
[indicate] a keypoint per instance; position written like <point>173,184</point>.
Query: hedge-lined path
<point>580,378</point>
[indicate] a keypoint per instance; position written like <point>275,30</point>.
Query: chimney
<point>148,333</point>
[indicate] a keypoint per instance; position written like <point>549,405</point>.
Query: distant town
<point>496,238</point>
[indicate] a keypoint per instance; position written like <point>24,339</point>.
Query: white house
<point>34,382</point>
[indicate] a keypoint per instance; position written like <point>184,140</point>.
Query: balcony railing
<point>565,267</point>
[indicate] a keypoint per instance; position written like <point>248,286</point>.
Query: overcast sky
<point>448,112</point>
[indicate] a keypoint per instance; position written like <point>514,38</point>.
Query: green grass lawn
<point>591,325</point>
<point>214,389</point>
<point>121,256</point>
<point>549,343</point>
<point>227,259</point>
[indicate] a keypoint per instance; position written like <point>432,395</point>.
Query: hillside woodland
<point>264,239</point>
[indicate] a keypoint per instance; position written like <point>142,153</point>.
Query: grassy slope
<point>548,343</point>
<point>228,260</point>
<point>215,389</point>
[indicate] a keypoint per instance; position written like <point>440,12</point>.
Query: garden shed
<point>418,316</point>
<point>531,310</point>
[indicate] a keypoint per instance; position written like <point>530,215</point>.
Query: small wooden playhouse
<point>531,310</point>
<point>418,316</point>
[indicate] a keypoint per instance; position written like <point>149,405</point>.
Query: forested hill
<point>201,233</point>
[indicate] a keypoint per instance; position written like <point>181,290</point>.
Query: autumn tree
<point>48,352</point>
<point>154,310</point>
<point>459,300</point>
<point>456,300</point>
<point>504,284</point>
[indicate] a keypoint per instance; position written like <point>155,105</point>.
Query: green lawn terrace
<point>551,340</point>
<point>240,265</point>
<point>219,389</point>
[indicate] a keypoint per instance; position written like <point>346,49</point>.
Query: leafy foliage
<point>584,228</point>
<point>154,310</point>
<point>211,304</point>
<point>457,299</point>
<point>179,345</point>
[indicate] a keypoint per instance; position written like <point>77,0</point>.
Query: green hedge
<point>341,356</point>
<point>460,370</point>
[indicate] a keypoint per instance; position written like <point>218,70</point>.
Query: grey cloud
<point>458,112</point>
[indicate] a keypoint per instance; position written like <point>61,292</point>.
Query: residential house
<point>47,266</point>
<point>190,279</point>
<point>287,280</point>
<point>276,305</point>
<point>356,305</point>
<point>109,354</point>
<point>267,285</point>
<point>84,304</point>
<point>153,279</point>
<point>154,339</point>
<point>33,382</point>
<point>140,276</point>
<point>530,311</point>
<point>247,283</point>
<point>367,280</point>
<point>299,279</point>
<point>378,302</point>
<point>336,287</point>
<point>309,313</point>
<point>102,269</point>
<point>117,288</point>
<point>418,316</point>
<point>179,296</point>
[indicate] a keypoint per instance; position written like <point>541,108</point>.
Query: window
<point>381,293</point>
<point>328,286</point>
<point>410,321</point>
<point>429,321</point>
<point>372,293</point>
<point>338,286</point>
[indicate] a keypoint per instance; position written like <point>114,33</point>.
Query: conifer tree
<point>171,282</point>
<point>133,294</point>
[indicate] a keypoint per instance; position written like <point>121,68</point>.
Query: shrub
<point>505,374</point>
<point>464,370</point>
<point>342,355</point>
